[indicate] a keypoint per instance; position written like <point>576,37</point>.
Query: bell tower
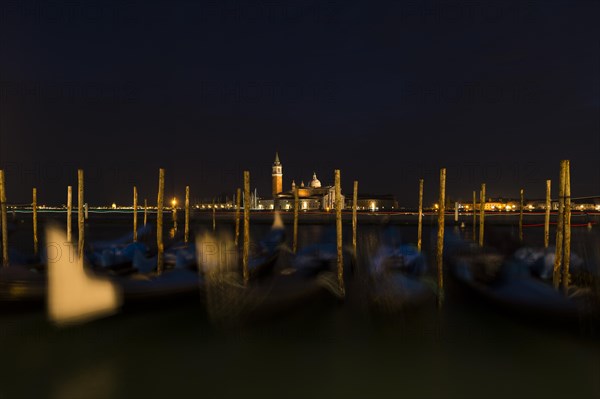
<point>277,176</point>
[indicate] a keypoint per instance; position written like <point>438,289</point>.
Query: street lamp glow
<point>174,202</point>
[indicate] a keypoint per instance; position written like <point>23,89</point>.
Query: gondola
<point>231,301</point>
<point>146,289</point>
<point>75,293</point>
<point>397,280</point>
<point>116,256</point>
<point>143,232</point>
<point>540,262</point>
<point>303,281</point>
<point>269,290</point>
<point>262,261</point>
<point>24,283</point>
<point>145,286</point>
<point>508,283</point>
<point>118,259</point>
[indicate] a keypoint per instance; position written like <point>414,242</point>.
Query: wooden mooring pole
<point>238,200</point>
<point>135,204</point>
<point>567,227</point>
<point>474,215</point>
<point>174,212</point>
<point>420,223</point>
<point>145,212</point>
<point>80,215</point>
<point>481,214</point>
<point>69,213</point>
<point>354,219</point>
<point>456,213</point>
<point>4,222</point>
<point>440,236</point>
<point>35,222</point>
<point>186,229</point>
<point>521,205</point>
<point>296,205</point>
<point>558,254</point>
<point>338,228</point>
<point>159,219</point>
<point>547,216</point>
<point>246,246</point>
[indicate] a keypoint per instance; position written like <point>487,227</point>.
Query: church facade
<point>313,196</point>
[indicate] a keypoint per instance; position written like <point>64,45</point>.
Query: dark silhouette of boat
<point>508,283</point>
<point>397,275</point>
<point>274,289</point>
<point>131,270</point>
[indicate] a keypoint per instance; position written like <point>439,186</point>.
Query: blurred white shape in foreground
<point>75,296</point>
<point>277,221</point>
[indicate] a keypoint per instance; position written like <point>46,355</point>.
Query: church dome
<point>315,183</point>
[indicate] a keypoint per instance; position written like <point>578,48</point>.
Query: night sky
<point>496,91</point>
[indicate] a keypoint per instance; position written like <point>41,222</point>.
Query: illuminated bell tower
<point>277,176</point>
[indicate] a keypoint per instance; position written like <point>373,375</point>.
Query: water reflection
<point>97,380</point>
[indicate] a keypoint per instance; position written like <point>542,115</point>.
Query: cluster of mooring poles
<point>563,231</point>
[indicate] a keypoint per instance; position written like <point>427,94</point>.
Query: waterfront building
<point>313,196</point>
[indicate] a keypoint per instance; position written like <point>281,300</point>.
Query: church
<point>313,196</point>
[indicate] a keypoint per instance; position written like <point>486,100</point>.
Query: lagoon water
<point>465,349</point>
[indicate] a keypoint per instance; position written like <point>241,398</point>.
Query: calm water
<point>464,350</point>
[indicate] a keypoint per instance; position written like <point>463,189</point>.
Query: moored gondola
<point>277,285</point>
<point>508,283</point>
<point>397,276</point>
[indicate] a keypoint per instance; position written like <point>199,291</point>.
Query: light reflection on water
<point>464,349</point>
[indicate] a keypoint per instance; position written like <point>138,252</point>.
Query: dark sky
<point>496,91</point>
